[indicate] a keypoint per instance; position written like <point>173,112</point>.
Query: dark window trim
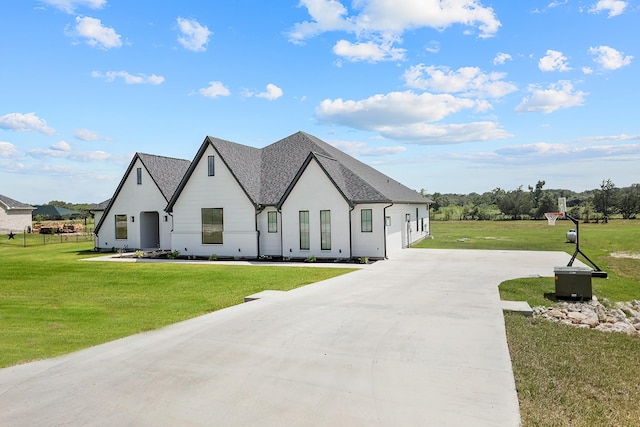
<point>212,236</point>
<point>211,166</point>
<point>325,230</point>
<point>272,226</point>
<point>304,233</point>
<point>366,224</point>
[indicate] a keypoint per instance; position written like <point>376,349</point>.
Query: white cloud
<point>88,135</point>
<point>554,97</point>
<point>368,51</point>
<point>378,24</point>
<point>362,149</point>
<point>96,34</point>
<point>214,90</point>
<point>25,122</point>
<point>61,146</point>
<point>8,150</point>
<point>405,116</point>
<point>609,58</point>
<point>544,152</point>
<point>621,137</point>
<point>129,79</point>
<point>272,92</point>
<point>395,109</point>
<point>469,81</point>
<point>440,134</point>
<point>69,6</point>
<point>615,7</point>
<point>501,58</point>
<point>79,156</point>
<point>553,61</point>
<point>195,36</point>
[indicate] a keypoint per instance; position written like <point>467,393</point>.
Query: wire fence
<point>35,239</point>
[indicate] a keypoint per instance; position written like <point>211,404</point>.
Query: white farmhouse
<point>296,198</point>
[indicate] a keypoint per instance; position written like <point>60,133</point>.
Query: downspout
<point>351,233</point>
<point>384,221</point>
<point>259,209</point>
<point>281,233</point>
<point>171,232</point>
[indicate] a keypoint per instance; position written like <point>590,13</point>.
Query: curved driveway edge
<point>416,340</point>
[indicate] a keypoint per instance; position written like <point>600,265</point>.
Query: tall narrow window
<point>304,230</point>
<point>325,230</point>
<point>211,166</point>
<point>212,226</point>
<point>121,227</point>
<point>139,175</point>
<point>272,218</point>
<point>417,225</point>
<point>366,221</point>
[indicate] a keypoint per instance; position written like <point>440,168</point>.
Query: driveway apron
<point>417,340</point>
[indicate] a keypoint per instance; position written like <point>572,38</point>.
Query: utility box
<point>573,283</point>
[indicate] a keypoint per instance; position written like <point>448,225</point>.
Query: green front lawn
<point>53,303</point>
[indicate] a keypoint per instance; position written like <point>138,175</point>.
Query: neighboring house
<point>14,216</point>
<point>97,211</point>
<point>296,198</point>
<point>135,216</point>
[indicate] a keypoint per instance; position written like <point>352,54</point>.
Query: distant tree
<point>629,202</point>
<point>605,199</point>
<point>514,203</point>
<point>439,201</point>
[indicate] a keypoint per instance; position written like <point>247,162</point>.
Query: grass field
<point>52,303</point>
<point>565,376</point>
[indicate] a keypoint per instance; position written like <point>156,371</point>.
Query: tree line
<point>592,205</point>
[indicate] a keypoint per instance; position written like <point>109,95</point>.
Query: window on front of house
<point>272,218</point>
<point>212,226</point>
<point>325,230</point>
<point>366,221</point>
<point>304,230</point>
<point>139,175</point>
<point>211,166</point>
<point>121,227</point>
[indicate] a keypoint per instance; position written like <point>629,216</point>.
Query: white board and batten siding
<point>135,201</point>
<point>406,224</point>
<point>218,191</point>
<point>368,244</point>
<point>315,192</point>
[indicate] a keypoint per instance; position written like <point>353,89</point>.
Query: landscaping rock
<point>621,318</point>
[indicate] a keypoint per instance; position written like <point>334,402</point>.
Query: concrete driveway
<point>418,340</point>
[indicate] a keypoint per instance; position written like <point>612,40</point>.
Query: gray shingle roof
<point>14,204</point>
<point>267,174</point>
<point>166,172</point>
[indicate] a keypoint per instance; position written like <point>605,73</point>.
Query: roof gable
<point>165,172</point>
<point>242,161</point>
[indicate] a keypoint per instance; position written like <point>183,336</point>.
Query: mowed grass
<point>53,303</point>
<point>565,376</point>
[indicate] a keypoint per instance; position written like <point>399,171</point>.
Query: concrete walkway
<point>418,340</point>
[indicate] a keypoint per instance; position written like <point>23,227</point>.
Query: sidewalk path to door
<point>417,340</point>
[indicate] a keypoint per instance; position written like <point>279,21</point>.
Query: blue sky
<point>463,96</point>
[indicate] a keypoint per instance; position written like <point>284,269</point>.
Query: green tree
<point>629,202</point>
<point>605,199</point>
<point>514,203</point>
